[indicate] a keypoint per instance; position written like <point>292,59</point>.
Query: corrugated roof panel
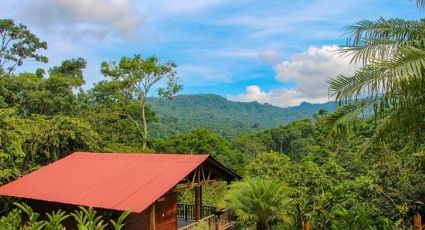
<point>106,180</point>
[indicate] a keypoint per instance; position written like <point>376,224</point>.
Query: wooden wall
<point>137,221</point>
<point>165,214</point>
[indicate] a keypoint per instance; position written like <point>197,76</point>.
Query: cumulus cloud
<point>309,71</point>
<point>271,56</point>
<point>89,17</point>
<point>278,97</point>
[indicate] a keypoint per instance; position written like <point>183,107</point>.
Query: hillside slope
<point>228,118</point>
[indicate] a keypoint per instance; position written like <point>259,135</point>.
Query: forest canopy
<point>359,167</point>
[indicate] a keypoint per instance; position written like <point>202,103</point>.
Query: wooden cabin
<point>145,184</point>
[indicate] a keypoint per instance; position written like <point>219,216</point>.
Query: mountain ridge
<point>223,116</point>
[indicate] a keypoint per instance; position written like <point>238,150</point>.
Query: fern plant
<point>11,221</point>
<point>33,223</point>
<point>119,224</point>
<point>87,219</point>
<point>55,219</point>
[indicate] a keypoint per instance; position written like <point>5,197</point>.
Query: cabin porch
<point>189,215</point>
<point>216,220</point>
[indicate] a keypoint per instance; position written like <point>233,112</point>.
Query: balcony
<point>216,220</point>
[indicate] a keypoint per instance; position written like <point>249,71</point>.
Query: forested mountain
<point>227,118</point>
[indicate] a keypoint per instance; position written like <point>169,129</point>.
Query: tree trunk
<point>300,218</point>
<point>145,126</point>
<point>262,226</point>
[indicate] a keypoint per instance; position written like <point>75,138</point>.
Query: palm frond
<point>367,50</point>
<point>409,61</point>
<point>392,29</point>
<point>391,82</point>
<point>366,82</point>
<point>420,4</point>
<point>407,118</point>
<point>380,39</point>
<point>344,118</point>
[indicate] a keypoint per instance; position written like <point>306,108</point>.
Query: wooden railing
<point>219,220</point>
<point>187,211</point>
<point>224,219</point>
<point>209,220</point>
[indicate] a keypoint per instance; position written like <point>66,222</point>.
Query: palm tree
<point>257,201</point>
<point>390,84</point>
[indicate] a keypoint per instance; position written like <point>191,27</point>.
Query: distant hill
<point>228,118</point>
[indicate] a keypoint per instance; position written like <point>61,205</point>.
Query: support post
<point>152,221</point>
<point>306,222</point>
<point>417,221</point>
<point>198,203</point>
<point>198,197</point>
<point>218,222</point>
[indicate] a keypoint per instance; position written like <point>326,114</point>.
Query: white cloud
<point>271,56</point>
<point>309,71</point>
<point>83,17</point>
<point>278,97</point>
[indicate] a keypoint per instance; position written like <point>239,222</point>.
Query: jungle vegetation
<point>360,167</point>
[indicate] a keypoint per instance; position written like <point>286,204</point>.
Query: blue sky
<point>275,51</point>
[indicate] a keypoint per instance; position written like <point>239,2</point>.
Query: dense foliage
<point>224,117</point>
<point>318,165</point>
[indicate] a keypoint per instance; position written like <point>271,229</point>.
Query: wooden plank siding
<point>165,214</point>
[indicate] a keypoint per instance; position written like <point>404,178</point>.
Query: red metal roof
<point>106,180</point>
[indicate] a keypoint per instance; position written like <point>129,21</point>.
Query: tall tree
<point>114,117</point>
<point>72,68</point>
<point>17,43</point>
<point>137,76</point>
